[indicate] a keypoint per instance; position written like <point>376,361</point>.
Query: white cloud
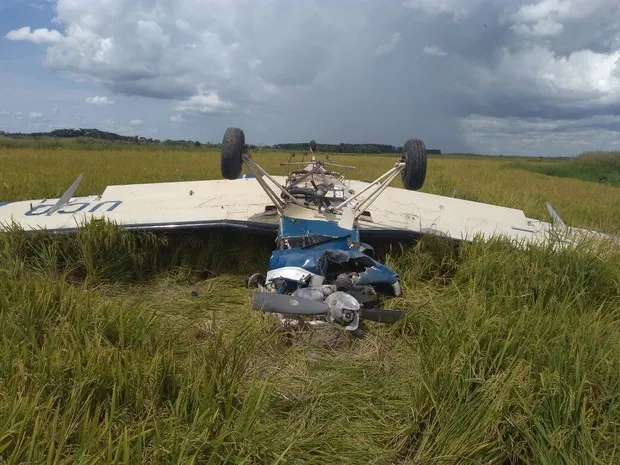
<point>549,18</point>
<point>166,50</point>
<point>176,119</point>
<point>254,63</point>
<point>38,36</point>
<point>96,100</point>
<point>136,122</point>
<point>458,9</point>
<point>542,28</point>
<point>434,50</point>
<point>533,12</point>
<point>387,48</point>
<point>204,102</point>
<point>5,113</point>
<point>582,78</point>
<point>35,115</point>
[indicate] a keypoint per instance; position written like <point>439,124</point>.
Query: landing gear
<point>414,157</point>
<point>255,280</point>
<point>233,145</point>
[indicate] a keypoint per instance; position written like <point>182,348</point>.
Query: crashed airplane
<point>322,270</point>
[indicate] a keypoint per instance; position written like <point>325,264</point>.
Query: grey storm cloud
<point>362,71</point>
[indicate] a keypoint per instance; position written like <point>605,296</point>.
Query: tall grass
<point>504,356</point>
<point>602,167</point>
<point>86,381</point>
<point>134,348</point>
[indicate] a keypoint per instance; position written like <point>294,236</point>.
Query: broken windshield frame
<point>300,242</point>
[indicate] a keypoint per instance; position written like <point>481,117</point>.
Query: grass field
<point>602,167</point>
<point>504,356</point>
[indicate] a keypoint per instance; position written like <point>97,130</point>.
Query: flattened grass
<point>504,355</point>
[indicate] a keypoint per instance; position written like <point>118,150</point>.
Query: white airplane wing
<point>419,213</point>
<point>159,206</point>
<point>459,219</point>
<point>242,204</point>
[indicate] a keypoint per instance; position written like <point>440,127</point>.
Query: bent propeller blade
<point>282,303</point>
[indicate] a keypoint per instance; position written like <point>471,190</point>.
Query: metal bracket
<point>379,185</point>
<point>259,173</point>
<point>557,221</point>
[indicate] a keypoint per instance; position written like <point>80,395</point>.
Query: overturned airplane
<point>322,269</point>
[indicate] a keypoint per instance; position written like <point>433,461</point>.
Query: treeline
<point>113,137</point>
<point>346,148</point>
<point>98,135</point>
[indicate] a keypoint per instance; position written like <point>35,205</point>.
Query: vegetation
<point>348,148</point>
<point>603,167</point>
<point>504,356</point>
<point>91,138</point>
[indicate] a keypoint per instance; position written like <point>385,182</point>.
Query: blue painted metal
<point>308,258</point>
<point>338,247</point>
<point>378,274</point>
<point>295,227</point>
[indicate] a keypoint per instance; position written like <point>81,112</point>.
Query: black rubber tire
<point>231,157</point>
<point>414,173</point>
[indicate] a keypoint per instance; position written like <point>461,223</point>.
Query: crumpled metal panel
<point>316,259</point>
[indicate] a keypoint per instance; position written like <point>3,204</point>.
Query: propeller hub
<point>343,308</point>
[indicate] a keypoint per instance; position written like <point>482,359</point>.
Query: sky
<point>496,76</point>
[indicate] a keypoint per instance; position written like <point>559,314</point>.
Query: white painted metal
<point>293,273</point>
<point>67,195</point>
<point>170,203</point>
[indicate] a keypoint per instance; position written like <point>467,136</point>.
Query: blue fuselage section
<point>318,246</point>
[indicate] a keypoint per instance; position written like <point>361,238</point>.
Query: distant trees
<point>101,135</point>
<point>347,148</point>
<point>289,147</point>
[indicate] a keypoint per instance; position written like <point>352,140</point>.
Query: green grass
<point>504,355</point>
<point>602,167</point>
